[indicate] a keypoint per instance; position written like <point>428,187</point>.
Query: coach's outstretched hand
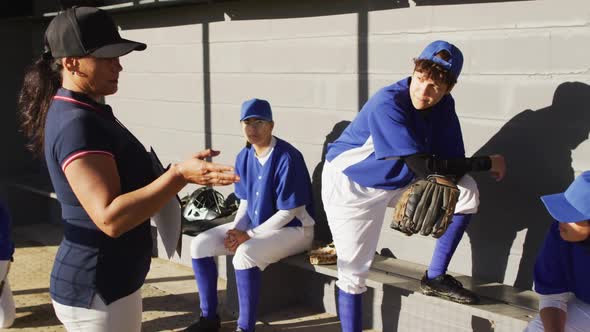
<point>199,171</point>
<point>498,169</point>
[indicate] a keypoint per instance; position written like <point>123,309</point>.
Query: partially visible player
<point>7,308</point>
<point>562,271</point>
<point>406,131</point>
<point>273,220</point>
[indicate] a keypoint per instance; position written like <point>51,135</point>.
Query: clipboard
<point>168,220</point>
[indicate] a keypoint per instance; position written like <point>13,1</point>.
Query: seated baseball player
<point>406,131</point>
<point>273,220</point>
<point>562,270</point>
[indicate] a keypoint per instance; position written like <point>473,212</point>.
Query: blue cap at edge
<point>573,205</point>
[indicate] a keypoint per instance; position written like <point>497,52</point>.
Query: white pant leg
<point>7,307</point>
<point>210,242</point>
<point>270,247</point>
<point>577,319</point>
<point>123,315</point>
<point>468,201</point>
<point>355,215</point>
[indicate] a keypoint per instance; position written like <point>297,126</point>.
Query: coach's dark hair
<point>434,71</point>
<point>41,81</point>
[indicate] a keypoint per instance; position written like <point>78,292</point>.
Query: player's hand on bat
<point>498,169</point>
<point>196,170</point>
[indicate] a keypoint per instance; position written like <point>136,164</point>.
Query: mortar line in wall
<point>392,33</point>
<point>486,119</point>
<point>234,104</point>
<point>581,72</point>
<point>135,125</point>
<point>502,29</point>
<point>244,73</point>
<point>507,75</point>
<point>175,130</point>
<point>336,74</point>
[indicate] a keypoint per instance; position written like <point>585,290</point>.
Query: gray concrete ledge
<point>393,301</point>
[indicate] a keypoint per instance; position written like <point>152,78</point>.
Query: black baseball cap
<point>82,31</point>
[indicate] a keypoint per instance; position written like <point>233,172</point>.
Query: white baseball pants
<point>7,308</point>
<point>123,315</point>
<point>578,318</point>
<point>261,251</point>
<point>355,216</point>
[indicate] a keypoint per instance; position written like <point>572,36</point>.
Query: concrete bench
<point>393,301</point>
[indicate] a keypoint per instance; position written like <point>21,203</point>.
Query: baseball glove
<point>323,256</point>
<point>426,207</point>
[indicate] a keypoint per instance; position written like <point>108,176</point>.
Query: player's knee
<point>243,258</point>
<point>351,287</point>
<point>200,246</point>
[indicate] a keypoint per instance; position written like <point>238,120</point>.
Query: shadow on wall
<point>322,231</point>
<point>537,146</point>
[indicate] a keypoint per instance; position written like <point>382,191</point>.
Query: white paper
<point>168,223</point>
<point>168,220</point>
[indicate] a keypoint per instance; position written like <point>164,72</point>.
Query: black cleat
<point>205,325</point>
<point>449,288</point>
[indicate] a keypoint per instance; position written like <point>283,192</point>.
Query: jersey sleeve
<point>80,136</point>
<point>549,275</point>
<point>293,187</point>
<point>240,188</point>
<point>392,132</point>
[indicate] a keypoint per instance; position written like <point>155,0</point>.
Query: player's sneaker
<point>205,325</point>
<point>447,287</point>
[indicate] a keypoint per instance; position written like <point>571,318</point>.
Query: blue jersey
<point>563,266</point>
<point>282,183</point>
<point>6,244</point>
<point>389,127</point>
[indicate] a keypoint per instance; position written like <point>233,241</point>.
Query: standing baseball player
<point>562,272</point>
<point>406,131</point>
<point>273,220</point>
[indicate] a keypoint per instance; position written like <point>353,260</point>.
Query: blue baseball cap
<point>455,63</point>
<point>256,108</point>
<point>573,205</point>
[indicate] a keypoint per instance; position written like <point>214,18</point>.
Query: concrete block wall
<point>523,93</point>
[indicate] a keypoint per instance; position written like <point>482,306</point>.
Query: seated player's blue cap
<point>573,205</point>
<point>256,108</point>
<point>455,63</point>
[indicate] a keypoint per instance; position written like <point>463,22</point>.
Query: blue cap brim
<point>561,210</point>
<point>255,116</point>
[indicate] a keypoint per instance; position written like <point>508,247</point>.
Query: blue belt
<point>84,236</point>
